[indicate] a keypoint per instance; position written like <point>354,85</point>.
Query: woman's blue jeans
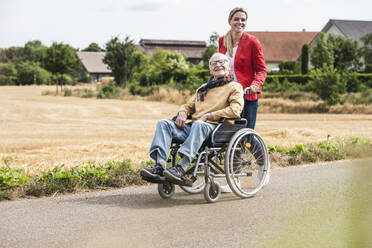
<point>250,113</point>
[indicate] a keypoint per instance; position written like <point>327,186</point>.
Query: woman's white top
<point>231,60</point>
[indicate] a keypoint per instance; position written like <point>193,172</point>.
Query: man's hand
<point>205,117</point>
<point>181,119</point>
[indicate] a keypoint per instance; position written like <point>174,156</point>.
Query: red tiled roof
<point>280,46</point>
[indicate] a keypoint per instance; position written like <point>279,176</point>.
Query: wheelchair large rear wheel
<point>247,163</point>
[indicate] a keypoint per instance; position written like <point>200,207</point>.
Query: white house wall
<point>272,66</point>
<point>334,30</point>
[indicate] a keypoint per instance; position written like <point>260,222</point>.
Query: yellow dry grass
<point>39,132</point>
<point>170,95</point>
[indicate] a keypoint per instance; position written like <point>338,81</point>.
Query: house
<point>193,50</point>
<point>282,46</point>
<point>93,64</point>
<point>348,28</point>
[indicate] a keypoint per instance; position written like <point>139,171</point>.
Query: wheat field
<point>38,132</point>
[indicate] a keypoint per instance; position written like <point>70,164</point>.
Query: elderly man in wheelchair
<point>214,135</point>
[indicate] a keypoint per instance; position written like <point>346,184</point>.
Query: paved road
<point>326,205</point>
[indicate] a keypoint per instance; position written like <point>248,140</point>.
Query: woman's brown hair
<point>228,40</point>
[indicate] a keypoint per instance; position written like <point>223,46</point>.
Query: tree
<point>3,56</point>
<point>33,51</point>
<point>322,52</point>
<point>11,54</point>
<point>60,59</point>
<point>336,50</point>
<point>211,49</point>
<point>93,47</point>
<point>8,74</point>
<point>327,84</point>
<point>346,53</point>
<point>305,59</point>
<point>31,73</point>
<point>367,51</point>
<point>160,68</point>
<point>119,56</point>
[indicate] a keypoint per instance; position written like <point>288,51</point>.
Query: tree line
<point>333,58</point>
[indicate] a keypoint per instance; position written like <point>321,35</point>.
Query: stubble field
<point>39,132</point>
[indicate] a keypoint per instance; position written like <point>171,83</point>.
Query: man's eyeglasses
<point>214,63</point>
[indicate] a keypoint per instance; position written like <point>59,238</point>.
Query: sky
<point>81,22</point>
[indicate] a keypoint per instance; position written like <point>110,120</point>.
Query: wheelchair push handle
<point>249,88</point>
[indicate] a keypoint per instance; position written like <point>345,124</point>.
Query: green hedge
<point>299,81</point>
<point>295,78</point>
<point>366,78</point>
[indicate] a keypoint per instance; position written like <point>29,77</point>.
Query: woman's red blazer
<point>249,63</point>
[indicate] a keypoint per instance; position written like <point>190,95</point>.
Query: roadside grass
<point>16,183</point>
<point>328,150</point>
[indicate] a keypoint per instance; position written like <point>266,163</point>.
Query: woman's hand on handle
<point>253,89</point>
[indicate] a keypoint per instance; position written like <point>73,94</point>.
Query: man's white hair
<point>218,54</point>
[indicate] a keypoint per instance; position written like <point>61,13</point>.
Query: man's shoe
<point>153,172</point>
<point>175,174</point>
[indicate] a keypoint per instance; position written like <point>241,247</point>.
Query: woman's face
<point>238,22</point>
<point>219,66</point>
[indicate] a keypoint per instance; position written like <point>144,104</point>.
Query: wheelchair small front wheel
<point>212,194</point>
<point>166,189</point>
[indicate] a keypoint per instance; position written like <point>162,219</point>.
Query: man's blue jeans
<point>192,137</point>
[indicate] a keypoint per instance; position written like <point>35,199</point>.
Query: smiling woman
<point>245,54</point>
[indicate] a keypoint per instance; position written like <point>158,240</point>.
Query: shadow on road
<point>146,198</point>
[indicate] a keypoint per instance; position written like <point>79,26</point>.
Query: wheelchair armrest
<point>236,120</point>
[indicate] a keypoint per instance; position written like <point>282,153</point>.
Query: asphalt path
<point>325,205</point>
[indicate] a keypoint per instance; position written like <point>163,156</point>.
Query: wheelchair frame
<point>225,138</point>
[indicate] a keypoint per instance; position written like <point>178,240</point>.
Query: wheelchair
<point>232,151</point>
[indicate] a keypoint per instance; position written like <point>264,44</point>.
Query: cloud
<point>147,7</point>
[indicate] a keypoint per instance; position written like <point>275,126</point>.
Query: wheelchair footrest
<point>184,181</point>
<point>160,179</point>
